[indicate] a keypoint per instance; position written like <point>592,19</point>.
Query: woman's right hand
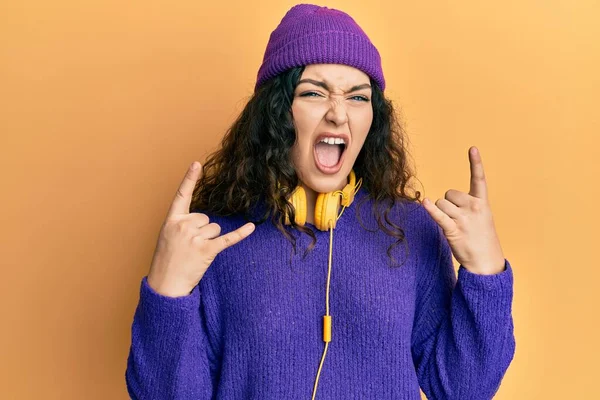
<point>188,243</point>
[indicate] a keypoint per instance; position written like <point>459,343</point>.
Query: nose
<point>337,112</point>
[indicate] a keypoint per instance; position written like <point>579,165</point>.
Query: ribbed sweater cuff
<point>500,281</point>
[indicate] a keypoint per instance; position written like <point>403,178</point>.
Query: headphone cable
<point>327,316</point>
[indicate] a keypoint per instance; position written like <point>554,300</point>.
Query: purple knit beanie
<point>311,34</point>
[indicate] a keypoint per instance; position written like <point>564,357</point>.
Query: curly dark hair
<point>253,164</point>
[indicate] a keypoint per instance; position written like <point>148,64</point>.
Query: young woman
<point>286,280</point>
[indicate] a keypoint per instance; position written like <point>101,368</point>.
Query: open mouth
<point>329,154</point>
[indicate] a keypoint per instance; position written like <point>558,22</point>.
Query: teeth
<point>333,140</point>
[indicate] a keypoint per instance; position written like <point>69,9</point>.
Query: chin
<point>321,183</point>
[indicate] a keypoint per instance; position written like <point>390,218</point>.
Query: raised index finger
<point>478,187</point>
<point>183,197</point>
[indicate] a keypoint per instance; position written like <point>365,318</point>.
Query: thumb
<point>231,238</point>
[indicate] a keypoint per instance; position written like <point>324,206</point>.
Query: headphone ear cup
<point>348,190</point>
<point>298,200</point>
<point>326,210</point>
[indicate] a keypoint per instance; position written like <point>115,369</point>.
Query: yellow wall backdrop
<point>104,104</point>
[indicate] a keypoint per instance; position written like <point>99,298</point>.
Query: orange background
<point>104,104</point>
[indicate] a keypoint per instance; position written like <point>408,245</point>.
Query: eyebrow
<point>324,85</point>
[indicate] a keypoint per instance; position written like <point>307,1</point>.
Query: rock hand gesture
<point>468,224</point>
<point>188,243</point>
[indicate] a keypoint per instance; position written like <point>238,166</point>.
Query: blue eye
<point>308,94</point>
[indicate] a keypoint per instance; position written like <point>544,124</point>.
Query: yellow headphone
<point>326,216</point>
<point>326,206</point>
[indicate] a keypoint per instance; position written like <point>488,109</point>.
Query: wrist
<point>167,288</point>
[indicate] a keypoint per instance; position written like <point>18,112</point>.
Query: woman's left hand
<point>468,224</point>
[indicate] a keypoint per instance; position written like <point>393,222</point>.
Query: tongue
<point>328,154</point>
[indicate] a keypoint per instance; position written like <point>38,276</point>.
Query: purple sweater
<point>252,327</point>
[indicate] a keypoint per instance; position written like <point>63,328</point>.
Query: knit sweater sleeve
<point>168,356</point>
<point>463,337</point>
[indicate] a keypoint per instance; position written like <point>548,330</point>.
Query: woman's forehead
<point>336,75</point>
